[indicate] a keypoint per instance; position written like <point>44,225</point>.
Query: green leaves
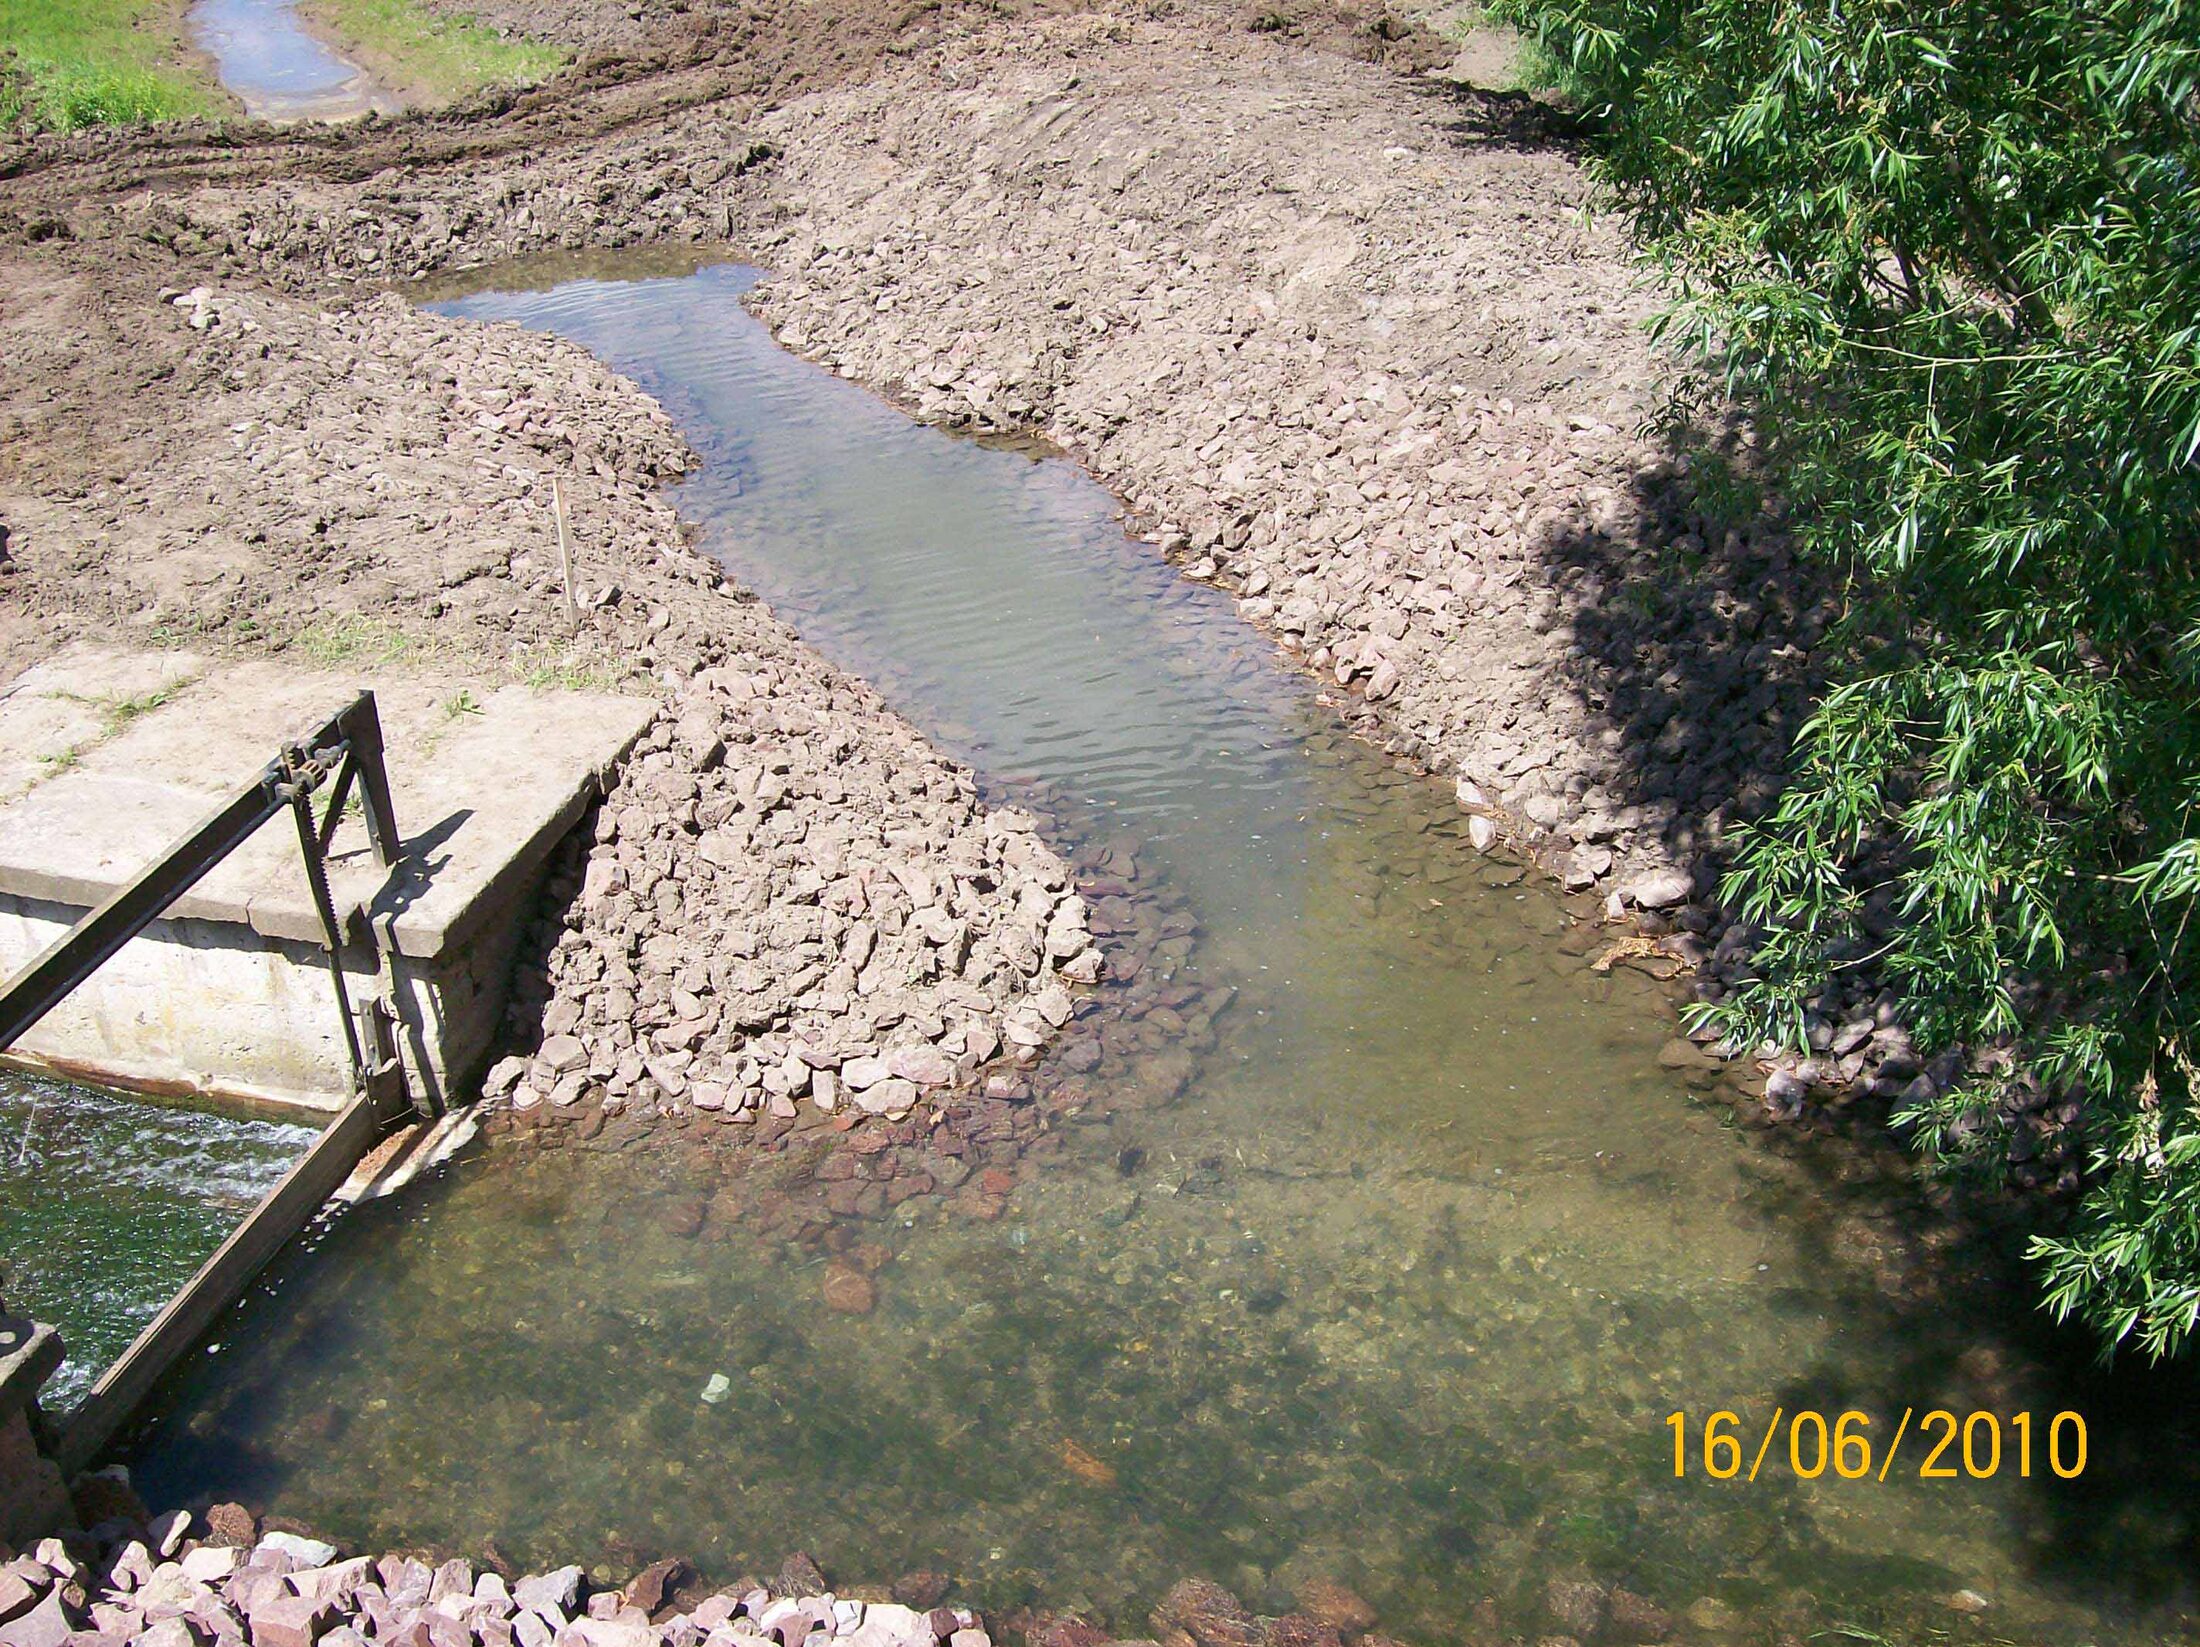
<point>1949,257</point>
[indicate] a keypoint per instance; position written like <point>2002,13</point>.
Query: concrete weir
<point>107,757</point>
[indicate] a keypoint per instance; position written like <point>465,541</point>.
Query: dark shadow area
<point>416,868</point>
<point>1478,117</point>
<point>1693,643</point>
<point>1957,1313</point>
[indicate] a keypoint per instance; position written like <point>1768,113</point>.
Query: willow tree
<point>1948,258</point>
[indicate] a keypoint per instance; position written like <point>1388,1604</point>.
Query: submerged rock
<point>849,1291</point>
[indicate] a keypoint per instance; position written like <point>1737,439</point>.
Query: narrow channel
<point>1378,1244</point>
<point>278,68</point>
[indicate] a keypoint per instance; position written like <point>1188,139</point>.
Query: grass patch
<point>116,711</point>
<point>1540,73</point>
<point>119,712</point>
<point>346,642</point>
<point>436,57</point>
<point>115,714</point>
<point>68,64</point>
<point>567,670</point>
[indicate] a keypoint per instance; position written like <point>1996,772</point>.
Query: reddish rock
<point>1576,1606</point>
<point>908,1188</point>
<point>291,1621</point>
<point>849,1290</point>
<point>684,1217</point>
<point>233,1525</point>
<point>997,1181</point>
<point>1638,1618</point>
<point>1064,1630</point>
<point>100,1497</point>
<point>1337,1605</point>
<point>1301,1630</point>
<point>922,1590</point>
<point>649,1588</point>
<point>1211,1615</point>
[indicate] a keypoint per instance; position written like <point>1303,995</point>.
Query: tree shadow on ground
<point>1692,646</point>
<point>1693,637</point>
<point>1478,117</point>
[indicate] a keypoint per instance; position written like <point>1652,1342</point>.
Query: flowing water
<point>108,1203</point>
<point>1375,1243</point>
<point>278,68</point>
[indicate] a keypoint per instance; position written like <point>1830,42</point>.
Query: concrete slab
<point>482,786</point>
<point>52,712</point>
<point>120,755</point>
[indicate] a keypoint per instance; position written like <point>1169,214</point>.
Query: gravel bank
<point>1348,348</point>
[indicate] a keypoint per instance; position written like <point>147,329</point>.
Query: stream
<point>278,68</point>
<point>1378,1248</point>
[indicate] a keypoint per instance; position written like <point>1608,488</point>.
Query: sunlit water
<point>108,1203</point>
<point>1391,1273</point>
<point>277,67</point>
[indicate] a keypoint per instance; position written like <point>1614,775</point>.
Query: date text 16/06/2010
<point>1946,1446</point>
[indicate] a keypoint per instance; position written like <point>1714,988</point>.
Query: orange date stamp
<point>1944,1446</point>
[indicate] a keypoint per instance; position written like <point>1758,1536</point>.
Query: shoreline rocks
<point>177,1580</point>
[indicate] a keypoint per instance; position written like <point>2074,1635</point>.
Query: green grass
<point>436,57</point>
<point>119,712</point>
<point>568,670</point>
<point>338,643</point>
<point>1537,72</point>
<point>67,64</point>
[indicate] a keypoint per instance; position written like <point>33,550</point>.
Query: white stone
<point>307,1552</point>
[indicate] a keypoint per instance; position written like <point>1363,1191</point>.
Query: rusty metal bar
<point>349,741</point>
<point>221,1280</point>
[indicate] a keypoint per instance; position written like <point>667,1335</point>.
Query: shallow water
<point>1374,1245</point>
<point>278,68</point>
<point>108,1203</point>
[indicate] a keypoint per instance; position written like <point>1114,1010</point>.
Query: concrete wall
<point>34,1497</point>
<point>216,1008</point>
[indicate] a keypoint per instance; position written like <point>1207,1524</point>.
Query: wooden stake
<point>565,548</point>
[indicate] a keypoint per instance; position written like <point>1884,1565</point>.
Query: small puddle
<point>1373,1245</point>
<point>109,1203</point>
<point>278,68</point>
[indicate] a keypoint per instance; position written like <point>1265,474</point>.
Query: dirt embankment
<point>1348,342</point>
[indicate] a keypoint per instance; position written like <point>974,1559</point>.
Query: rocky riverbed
<point>216,1580</point>
<point>1349,345</point>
